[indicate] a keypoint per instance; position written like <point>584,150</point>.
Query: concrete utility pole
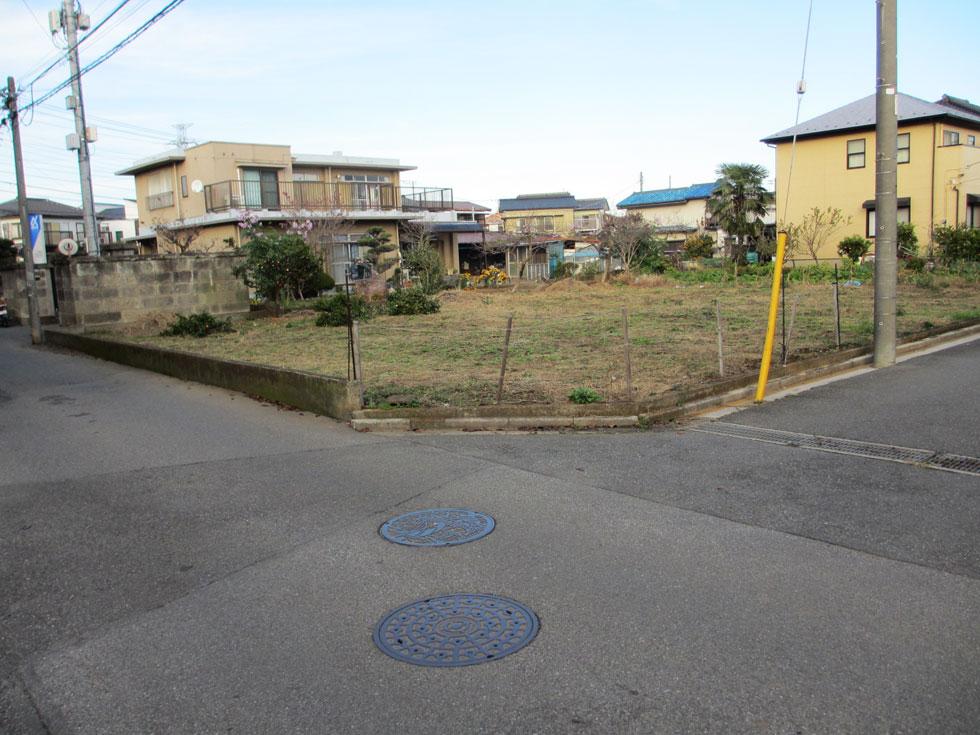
<point>886,185</point>
<point>69,19</point>
<point>25,226</point>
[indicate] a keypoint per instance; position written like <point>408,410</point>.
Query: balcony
<point>323,197</point>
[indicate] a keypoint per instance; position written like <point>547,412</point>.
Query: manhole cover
<point>456,630</point>
<point>437,527</point>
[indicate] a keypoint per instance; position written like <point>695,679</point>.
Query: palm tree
<point>738,203</point>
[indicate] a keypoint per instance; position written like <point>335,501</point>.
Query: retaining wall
<point>13,286</point>
<point>320,394</point>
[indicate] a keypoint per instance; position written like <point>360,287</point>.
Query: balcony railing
<point>323,196</point>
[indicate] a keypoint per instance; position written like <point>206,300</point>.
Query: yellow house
<point>210,186</point>
<point>557,213</point>
<point>834,166</point>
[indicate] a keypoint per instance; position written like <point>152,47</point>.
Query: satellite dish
<point>196,186</point>
<point>68,247</point>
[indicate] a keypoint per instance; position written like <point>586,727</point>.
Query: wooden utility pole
<point>886,186</point>
<point>25,226</point>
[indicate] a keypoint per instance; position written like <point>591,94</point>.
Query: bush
<point>196,325</point>
<point>334,310</point>
<point>590,271</point>
<point>854,248</point>
<point>564,269</point>
<point>411,301</point>
<point>584,395</point>
<point>957,243</point>
<point>651,257</point>
<point>8,253</point>
<point>915,263</point>
<point>699,246</point>
<point>319,283</point>
<point>425,264</point>
<point>278,264</point>
<point>908,242</point>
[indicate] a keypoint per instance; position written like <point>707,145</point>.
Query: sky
<point>492,99</point>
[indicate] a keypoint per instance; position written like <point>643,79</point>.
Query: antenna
<point>182,141</point>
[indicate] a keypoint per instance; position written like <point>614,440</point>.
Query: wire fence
<point>630,348</point>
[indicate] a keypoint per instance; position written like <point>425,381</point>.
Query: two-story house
<point>556,213</point>
<point>210,186</point>
<point>676,213</point>
<point>834,166</point>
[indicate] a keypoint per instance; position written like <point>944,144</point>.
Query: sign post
<point>38,245</point>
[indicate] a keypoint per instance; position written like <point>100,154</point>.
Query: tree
<point>627,237</point>
<point>738,204</point>
<point>179,234</point>
<point>854,248</point>
<point>421,258</point>
<point>378,242</point>
<point>812,233</point>
<point>277,264</point>
<point>699,245</point>
<point>908,241</point>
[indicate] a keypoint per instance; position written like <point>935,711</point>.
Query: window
<point>345,256</point>
<point>855,153</point>
<point>971,140</point>
<point>951,137</point>
<point>119,235</point>
<point>973,210</point>
<point>160,191</point>
<point>365,178</point>
<point>183,186</point>
<point>260,188</point>
<point>904,144</point>
<point>904,214</point>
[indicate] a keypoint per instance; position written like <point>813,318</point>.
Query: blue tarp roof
<point>456,226</point>
<point>668,196</point>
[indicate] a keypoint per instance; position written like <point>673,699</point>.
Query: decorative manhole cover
<point>437,527</point>
<point>456,630</point>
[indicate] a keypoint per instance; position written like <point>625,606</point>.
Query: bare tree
<point>180,235</point>
<point>812,233</point>
<point>626,237</point>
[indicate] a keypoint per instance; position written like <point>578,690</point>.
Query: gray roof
<point>44,207</point>
<point>861,114</point>
<point>556,200</point>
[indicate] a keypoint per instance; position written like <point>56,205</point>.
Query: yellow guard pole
<point>777,282</point>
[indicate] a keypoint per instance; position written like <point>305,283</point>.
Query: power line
<point>80,41</point>
<point>39,23</point>
<point>108,54</point>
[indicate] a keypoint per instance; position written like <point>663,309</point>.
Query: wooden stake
<point>789,331</point>
<point>503,362</point>
<point>721,346</point>
<point>626,351</point>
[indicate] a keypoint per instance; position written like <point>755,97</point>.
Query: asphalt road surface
<point>180,559</point>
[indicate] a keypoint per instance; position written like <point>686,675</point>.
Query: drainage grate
<point>907,455</point>
<point>456,630</point>
<point>437,527</point>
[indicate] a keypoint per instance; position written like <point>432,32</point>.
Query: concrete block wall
<point>114,291</point>
<point>13,287</point>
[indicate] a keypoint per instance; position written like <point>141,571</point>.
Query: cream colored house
<point>834,166</point>
<point>677,213</point>
<point>211,185</point>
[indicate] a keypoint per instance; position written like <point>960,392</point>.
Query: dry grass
<point>569,335</point>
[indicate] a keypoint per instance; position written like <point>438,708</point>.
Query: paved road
<point>175,558</point>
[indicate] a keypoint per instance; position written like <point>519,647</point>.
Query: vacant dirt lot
<point>570,334</point>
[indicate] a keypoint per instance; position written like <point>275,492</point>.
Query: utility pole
<point>886,185</point>
<point>25,226</point>
<point>72,21</point>
<point>641,181</point>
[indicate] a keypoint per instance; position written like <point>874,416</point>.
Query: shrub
<point>908,242</point>
<point>957,243</point>
<point>278,264</point>
<point>196,325</point>
<point>8,253</point>
<point>699,246</point>
<point>411,301</point>
<point>650,258</point>
<point>590,271</point>
<point>334,310</point>
<point>319,283</point>
<point>425,264</point>
<point>854,248</point>
<point>564,269</point>
<point>915,263</point>
<point>584,395</point>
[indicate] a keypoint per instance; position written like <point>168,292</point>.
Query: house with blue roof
<point>677,212</point>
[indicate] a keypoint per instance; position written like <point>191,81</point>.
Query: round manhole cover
<point>437,527</point>
<point>456,630</point>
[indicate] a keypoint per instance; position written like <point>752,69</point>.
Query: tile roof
<point>555,200</point>
<point>862,113</point>
<point>44,207</point>
<point>659,197</point>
